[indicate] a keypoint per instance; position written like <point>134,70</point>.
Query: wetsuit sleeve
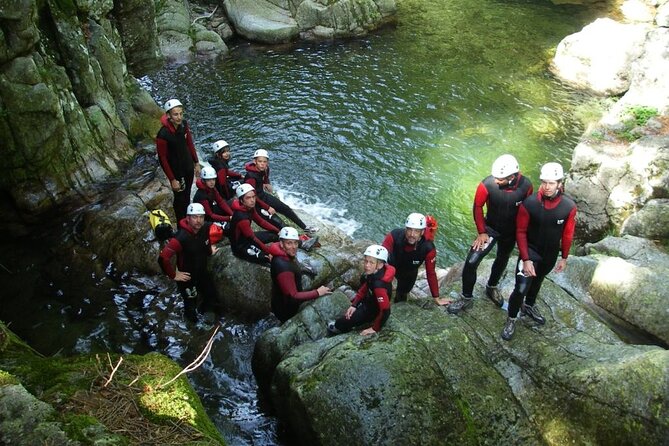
<point>191,145</point>
<point>264,223</point>
<point>261,203</point>
<point>388,242</point>
<point>431,273</point>
<point>234,174</point>
<point>252,181</point>
<point>210,212</point>
<point>480,199</point>
<point>530,191</point>
<point>161,149</point>
<point>286,281</point>
<point>522,222</point>
<point>173,247</point>
<point>568,233</point>
<point>383,301</point>
<point>244,227</point>
<point>359,295</point>
<point>225,207</point>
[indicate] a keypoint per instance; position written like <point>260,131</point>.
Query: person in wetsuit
<point>544,228</point>
<point>216,209</point>
<point>286,271</point>
<point>191,245</point>
<point>257,175</point>
<point>371,303</point>
<point>501,193</point>
<point>227,179</point>
<point>408,249</point>
<point>245,243</point>
<point>177,155</point>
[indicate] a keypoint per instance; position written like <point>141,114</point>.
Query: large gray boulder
<point>432,378</point>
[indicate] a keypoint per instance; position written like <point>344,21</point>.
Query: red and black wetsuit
<point>192,250</point>
<point>258,179</point>
<point>225,176</point>
<point>215,208</point>
<point>502,203</point>
<point>372,301</point>
<point>407,259</point>
<point>177,156</point>
<point>287,294</point>
<point>245,243</point>
<point>544,227</point>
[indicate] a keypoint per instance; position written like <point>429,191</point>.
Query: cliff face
<point>69,110</point>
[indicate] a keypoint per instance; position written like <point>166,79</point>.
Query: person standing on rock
<point>408,248</point>
<point>501,193</point>
<point>192,246</point>
<point>226,176</point>
<point>544,228</point>
<point>257,175</point>
<point>177,155</point>
<point>287,294</point>
<point>371,303</point>
<point>215,208</point>
<point>245,243</point>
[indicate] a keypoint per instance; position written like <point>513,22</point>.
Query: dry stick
<point>198,361</point>
<point>114,369</point>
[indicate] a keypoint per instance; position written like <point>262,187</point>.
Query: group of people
<point>540,224</point>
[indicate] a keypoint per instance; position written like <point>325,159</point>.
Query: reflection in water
<point>360,133</point>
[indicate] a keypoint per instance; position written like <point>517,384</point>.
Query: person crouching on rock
<point>287,294</point>
<point>192,247</point>
<point>245,243</point>
<point>226,176</point>
<point>544,227</point>
<point>371,303</point>
<point>216,209</point>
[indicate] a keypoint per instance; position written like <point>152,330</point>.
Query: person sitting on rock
<point>257,175</point>
<point>245,243</point>
<point>192,246</point>
<point>228,179</point>
<point>408,249</point>
<point>287,294</point>
<point>544,227</point>
<point>371,303</point>
<point>501,193</point>
<point>216,209</point>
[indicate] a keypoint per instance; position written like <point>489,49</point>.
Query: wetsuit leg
<point>542,269</point>
<point>283,209</point>
<point>272,219</point>
<point>210,298</point>
<point>182,198</point>
<point>520,290</point>
<point>251,253</point>
<point>472,262</point>
<point>405,282</point>
<point>362,315</point>
<point>504,249</point>
<point>189,294</point>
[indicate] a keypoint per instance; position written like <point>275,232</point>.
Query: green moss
<point>7,379</point>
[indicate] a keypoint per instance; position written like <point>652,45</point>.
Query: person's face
<point>249,200</point>
<point>290,246</point>
<point>195,222</point>
<point>224,154</point>
<point>501,182</point>
<point>549,188</point>
<point>176,116</point>
<point>412,235</point>
<point>261,163</point>
<point>210,183</point>
<point>371,265</point>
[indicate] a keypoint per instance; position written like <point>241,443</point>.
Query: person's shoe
<point>533,313</point>
<point>509,328</point>
<point>308,243</point>
<point>332,330</point>
<point>465,303</point>
<point>311,230</point>
<point>494,295</point>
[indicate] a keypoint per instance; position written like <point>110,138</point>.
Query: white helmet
<point>551,172</point>
<point>415,221</point>
<point>208,173</point>
<point>244,189</point>
<point>377,251</point>
<point>504,166</point>
<point>288,233</point>
<point>195,209</point>
<point>169,105</point>
<point>219,145</point>
<point>261,152</point>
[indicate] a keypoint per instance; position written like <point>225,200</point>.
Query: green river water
<point>410,119</point>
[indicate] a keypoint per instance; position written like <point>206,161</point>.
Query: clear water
<point>360,133</point>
